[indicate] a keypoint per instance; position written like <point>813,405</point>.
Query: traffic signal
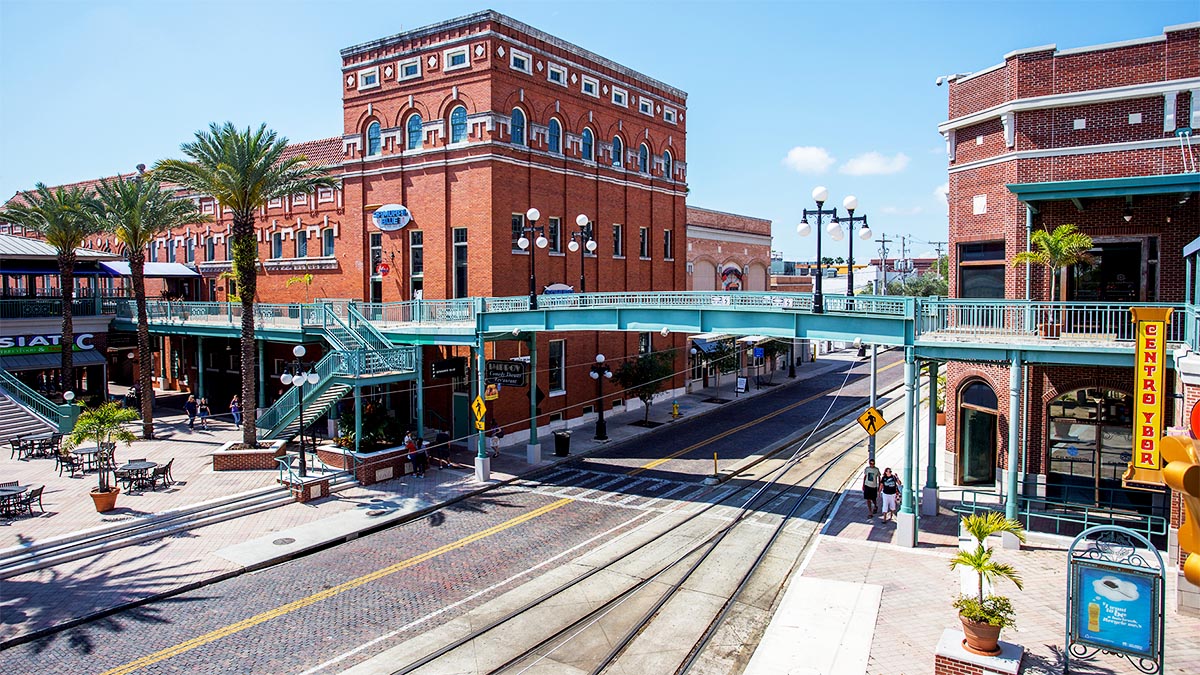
<point>1182,473</point>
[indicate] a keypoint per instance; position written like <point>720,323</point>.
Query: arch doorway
<point>978,424</point>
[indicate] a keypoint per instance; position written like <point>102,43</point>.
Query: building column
<point>262,375</point>
<point>483,463</point>
<point>420,383</point>
<point>929,495</point>
<point>533,451</point>
<point>357,415</point>
<point>874,397</point>
<point>199,366</point>
<point>906,520</point>
<point>1014,442</point>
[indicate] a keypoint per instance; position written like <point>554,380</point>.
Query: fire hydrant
<point>674,410</point>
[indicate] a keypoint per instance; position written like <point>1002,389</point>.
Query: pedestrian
<point>890,484</point>
<point>870,488</point>
<point>203,409</point>
<point>422,463</point>
<point>191,409</point>
<point>497,434</point>
<point>235,409</point>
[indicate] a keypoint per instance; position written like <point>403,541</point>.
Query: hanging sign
<point>491,391</point>
<point>507,373</point>
<point>391,217</point>
<point>384,268</point>
<point>1149,367</point>
<point>39,344</point>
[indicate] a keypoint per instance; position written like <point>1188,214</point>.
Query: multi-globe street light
<point>600,372</point>
<point>298,378</point>
<point>531,218</point>
<point>820,195</point>
<point>583,234</point>
<point>850,203</point>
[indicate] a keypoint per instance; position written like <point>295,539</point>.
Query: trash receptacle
<point>562,443</point>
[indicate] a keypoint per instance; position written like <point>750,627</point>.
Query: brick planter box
<point>309,489</point>
<point>376,467</point>
<point>259,459</point>
<point>951,658</point>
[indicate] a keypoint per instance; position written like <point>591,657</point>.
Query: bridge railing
<point>956,318</point>
<point>891,306</point>
<point>37,308</point>
<point>452,311</point>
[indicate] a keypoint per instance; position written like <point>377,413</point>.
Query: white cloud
<point>940,193</point>
<point>901,210</point>
<point>809,159</point>
<point>875,164</point>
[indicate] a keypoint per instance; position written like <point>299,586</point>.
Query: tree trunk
<point>66,267</point>
<point>137,268</point>
<point>245,271</point>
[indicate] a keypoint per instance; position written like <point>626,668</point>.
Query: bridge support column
<point>483,463</point>
<point>1014,436</point>
<point>262,374</point>
<point>533,450</point>
<point>199,366</point>
<point>420,384</point>
<point>874,397</point>
<point>357,415</point>
<point>906,520</point>
<point>929,494</point>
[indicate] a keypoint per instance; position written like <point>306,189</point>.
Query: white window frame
<point>324,194</point>
<point>552,68</point>
<point>365,72</point>
<point>401,77</point>
<point>276,203</point>
<point>623,94</point>
<point>208,206</point>
<point>619,251</point>
<point>670,115</point>
<point>447,58</point>
<point>515,54</point>
<point>301,198</point>
<point>276,245</point>
<point>562,367</point>
<point>644,243</point>
<point>668,245</point>
<point>584,81</point>
<point>645,106</point>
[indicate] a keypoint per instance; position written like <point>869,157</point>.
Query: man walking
<point>191,408</point>
<point>870,488</point>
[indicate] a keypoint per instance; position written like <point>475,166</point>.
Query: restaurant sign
<point>391,217</point>
<point>40,344</point>
<point>1149,368</point>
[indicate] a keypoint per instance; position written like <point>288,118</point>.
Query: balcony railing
<point>956,319</point>
<point>42,307</point>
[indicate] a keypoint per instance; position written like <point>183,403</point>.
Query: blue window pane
<point>373,144</point>
<point>587,145</point>
<point>667,168</point>
<point>518,127</point>
<point>618,149</point>
<point>415,132</point>
<point>458,125</point>
<point>555,137</point>
<point>643,159</point>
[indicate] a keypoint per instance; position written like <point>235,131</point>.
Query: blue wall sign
<point>391,217</point>
<point>759,352</point>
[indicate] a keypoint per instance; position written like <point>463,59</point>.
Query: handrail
<point>61,417</point>
<point>1066,512</point>
<point>1077,320</point>
<point>366,330</point>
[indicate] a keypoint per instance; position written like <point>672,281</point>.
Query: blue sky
<point>844,89</point>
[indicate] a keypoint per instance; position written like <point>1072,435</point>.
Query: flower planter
<point>981,638</point>
<point>105,501</point>
<point>1050,331</point>
<point>941,418</point>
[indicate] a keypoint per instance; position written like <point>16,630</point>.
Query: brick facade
<point>725,250</point>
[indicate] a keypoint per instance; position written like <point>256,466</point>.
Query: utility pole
<point>883,241</point>
<point>938,246</point>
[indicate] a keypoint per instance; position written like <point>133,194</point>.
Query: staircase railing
<point>282,409</point>
<point>366,330</point>
<point>62,417</point>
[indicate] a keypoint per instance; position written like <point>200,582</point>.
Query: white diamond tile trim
<point>500,51</point>
<point>478,50</point>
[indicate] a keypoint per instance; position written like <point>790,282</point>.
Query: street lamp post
<point>693,352</point>
<point>819,194</point>
<point>850,203</point>
<point>583,234</point>
<point>298,378</point>
<point>599,373</point>
<point>531,217</point>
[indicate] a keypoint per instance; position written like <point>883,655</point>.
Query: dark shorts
<point>870,493</point>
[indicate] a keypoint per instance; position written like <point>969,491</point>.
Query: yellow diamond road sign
<point>479,425</point>
<point>872,420</point>
<point>478,407</point>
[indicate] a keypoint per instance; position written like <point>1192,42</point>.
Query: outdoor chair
<point>16,448</point>
<point>69,462</point>
<point>11,483</point>
<point>123,478</point>
<point>35,495</point>
<point>161,474</point>
<point>10,504</point>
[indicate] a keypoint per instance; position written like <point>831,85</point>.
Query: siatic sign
<point>506,373</point>
<point>1148,390</point>
<point>391,217</point>
<point>38,344</point>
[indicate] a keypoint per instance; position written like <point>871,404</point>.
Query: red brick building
<point>1099,137</point>
<point>726,251</point>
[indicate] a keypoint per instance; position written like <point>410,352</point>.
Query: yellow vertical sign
<point>1149,368</point>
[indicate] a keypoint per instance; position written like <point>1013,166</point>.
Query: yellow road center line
<point>257,619</point>
<point>727,432</point>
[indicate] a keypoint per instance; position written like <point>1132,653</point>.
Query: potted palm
<point>1056,251</point>
<point>941,400</point>
<point>104,426</point>
<point>983,617</point>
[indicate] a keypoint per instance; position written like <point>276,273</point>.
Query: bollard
<point>716,476</point>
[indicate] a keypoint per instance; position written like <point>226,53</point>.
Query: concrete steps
<point>17,422</point>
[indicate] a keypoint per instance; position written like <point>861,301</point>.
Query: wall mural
<point>731,278</point>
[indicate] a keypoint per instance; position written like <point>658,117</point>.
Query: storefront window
<point>977,434</point>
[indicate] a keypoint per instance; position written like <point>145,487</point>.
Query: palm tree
<point>982,526</point>
<point>64,218</point>
<point>1057,250</point>
<point>243,170</point>
<point>137,211</point>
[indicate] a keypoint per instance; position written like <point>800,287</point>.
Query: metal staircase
<point>23,411</point>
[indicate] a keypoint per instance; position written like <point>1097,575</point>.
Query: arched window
<point>618,149</point>
<point>978,434</point>
<point>458,125</point>
<point>416,132</point>
<point>643,159</point>
<point>668,165</point>
<point>555,137</point>
<point>518,127</point>
<point>588,143</point>
<point>373,144</point>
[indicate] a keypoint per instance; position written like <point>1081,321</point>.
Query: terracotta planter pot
<point>982,638</point>
<point>105,501</point>
<point>1050,331</point>
<point>941,419</point>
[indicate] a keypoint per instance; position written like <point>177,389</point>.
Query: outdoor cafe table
<point>87,456</point>
<point>10,494</point>
<point>139,471</point>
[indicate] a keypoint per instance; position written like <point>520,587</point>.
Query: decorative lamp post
<point>600,372</point>
<point>298,378</point>
<point>68,396</point>
<point>531,217</point>
<point>820,195</point>
<point>850,203</point>
<point>583,234</point>
<point>693,352</point>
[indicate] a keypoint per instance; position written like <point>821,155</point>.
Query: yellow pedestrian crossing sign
<point>872,420</point>
<point>479,408</point>
<point>479,425</point>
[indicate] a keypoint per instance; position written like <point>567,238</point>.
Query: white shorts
<point>889,501</point>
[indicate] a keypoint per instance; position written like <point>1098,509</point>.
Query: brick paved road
<point>315,630</point>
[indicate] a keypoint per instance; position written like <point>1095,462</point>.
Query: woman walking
<point>204,411</point>
<point>890,485</point>
<point>235,409</point>
<point>190,408</point>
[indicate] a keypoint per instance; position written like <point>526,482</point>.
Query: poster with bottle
<point>1116,609</point>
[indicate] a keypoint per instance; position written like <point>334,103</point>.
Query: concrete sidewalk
<point>40,600</point>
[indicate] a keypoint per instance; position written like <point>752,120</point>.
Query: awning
<point>50,360</point>
<point>1125,186</point>
<point>706,346</point>
<point>120,268</point>
<point>751,339</point>
<point>707,336</point>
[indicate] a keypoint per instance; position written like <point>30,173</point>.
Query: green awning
<point>1177,183</point>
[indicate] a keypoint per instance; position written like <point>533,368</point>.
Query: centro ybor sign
<point>1148,407</point>
<point>37,344</point>
<point>391,217</point>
